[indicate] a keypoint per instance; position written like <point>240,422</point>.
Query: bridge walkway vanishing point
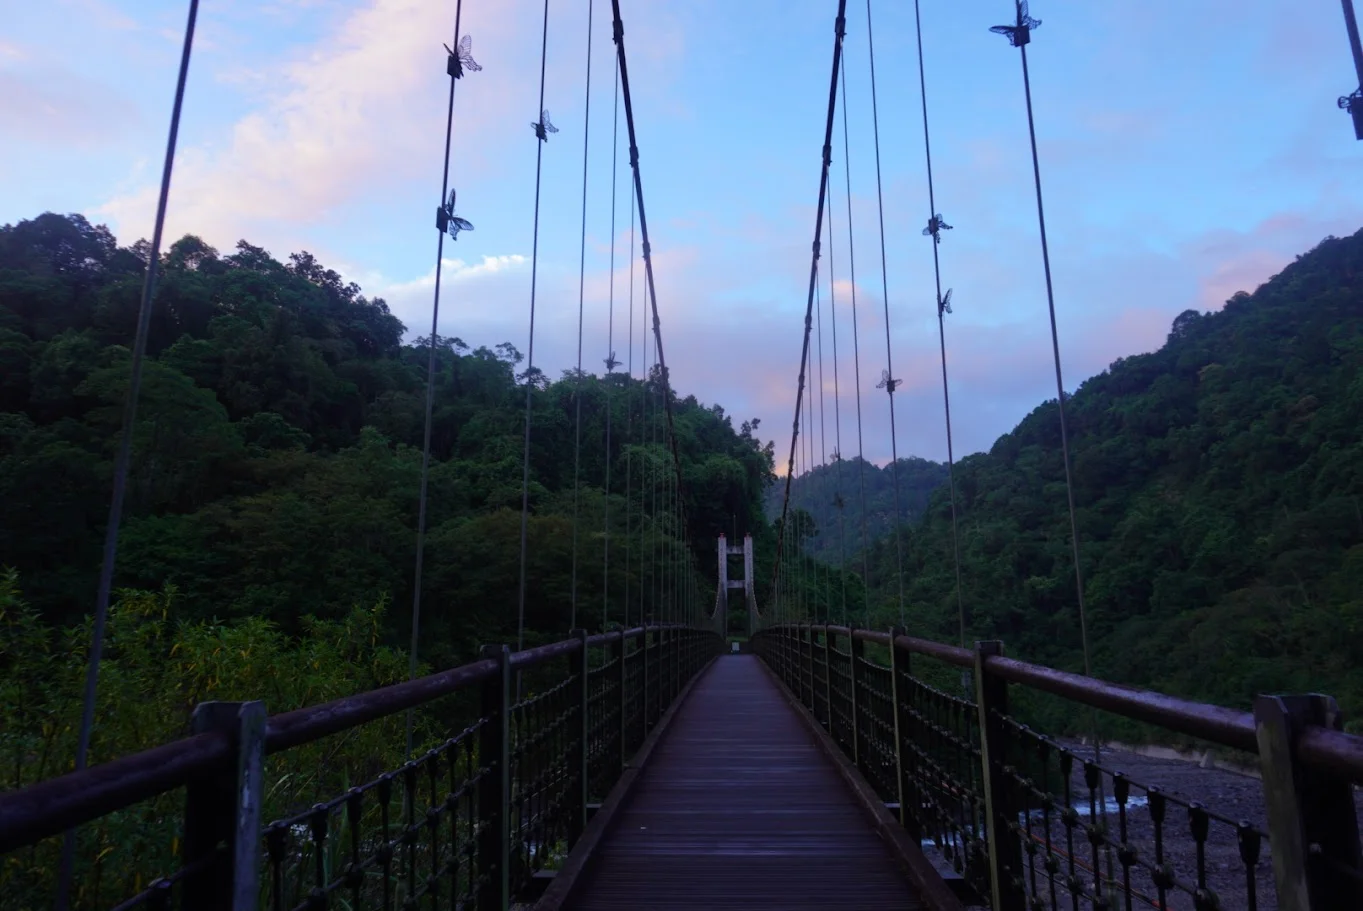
<point>738,807</point>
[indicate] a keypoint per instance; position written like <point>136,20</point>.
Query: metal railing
<point>465,824</point>
<point>1029,823</point>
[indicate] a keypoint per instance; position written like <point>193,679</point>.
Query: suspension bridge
<point>660,760</point>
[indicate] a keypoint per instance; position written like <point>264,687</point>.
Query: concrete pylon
<point>727,584</point>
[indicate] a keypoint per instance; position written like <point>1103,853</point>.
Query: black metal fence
<point>466,824</point>
<point>1029,823</point>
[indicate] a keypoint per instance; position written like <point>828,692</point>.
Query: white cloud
<point>349,118</point>
<point>356,120</point>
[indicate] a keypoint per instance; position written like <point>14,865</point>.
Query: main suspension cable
<point>935,226</point>
<point>839,25</point>
<point>651,286</point>
<point>629,427</point>
<point>581,298</point>
<point>838,501</point>
<point>823,430</point>
<point>542,128</point>
<point>124,458</point>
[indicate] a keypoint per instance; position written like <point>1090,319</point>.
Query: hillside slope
<point>818,492</point>
<point>278,449</point>
<point>1218,485</point>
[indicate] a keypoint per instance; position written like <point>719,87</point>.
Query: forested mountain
<point>278,447</point>
<point>1217,482</point>
<point>820,491</point>
<point>268,542</point>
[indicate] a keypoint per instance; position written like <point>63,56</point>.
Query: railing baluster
<point>828,684</point>
<point>385,789</point>
<point>618,651</point>
<point>581,664</point>
<point>494,792</point>
<point>899,671</point>
<point>647,712</point>
<point>354,873</point>
<point>855,649</point>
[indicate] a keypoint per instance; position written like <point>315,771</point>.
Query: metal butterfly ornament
<point>446,220</point>
<point>1019,33</point>
<point>936,225</point>
<point>543,127</point>
<point>461,58</point>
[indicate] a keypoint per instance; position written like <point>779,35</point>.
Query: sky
<point>1188,149</point>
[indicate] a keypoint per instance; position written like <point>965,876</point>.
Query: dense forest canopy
<point>277,458</point>
<point>268,543</point>
<point>278,449</point>
<point>269,537</point>
<point>832,497</point>
<point>1218,485</point>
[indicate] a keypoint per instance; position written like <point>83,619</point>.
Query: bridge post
<point>1005,847</point>
<point>580,664</point>
<point>722,591</point>
<point>618,652</point>
<point>647,694</point>
<point>670,663</point>
<point>1315,843</point>
<point>670,653</point>
<point>225,807</point>
<point>797,660</point>
<point>678,642</point>
<point>828,685</point>
<point>856,648</point>
<point>899,673</point>
<point>807,663</point>
<point>494,790</point>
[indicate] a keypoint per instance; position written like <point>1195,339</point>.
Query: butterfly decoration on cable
<point>543,127</point>
<point>886,383</point>
<point>611,363</point>
<point>446,220</point>
<point>1019,33</point>
<point>944,303</point>
<point>461,58</point>
<point>838,501</point>
<point>936,225</point>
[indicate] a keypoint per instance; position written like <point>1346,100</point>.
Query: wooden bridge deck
<point>739,808</point>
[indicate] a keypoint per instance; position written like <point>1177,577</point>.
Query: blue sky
<point>1188,149</point>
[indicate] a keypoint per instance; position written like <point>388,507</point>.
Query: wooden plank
<point>566,880</point>
<point>927,879</point>
<point>738,808</point>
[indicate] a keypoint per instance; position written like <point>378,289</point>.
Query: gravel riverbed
<point>1233,795</point>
